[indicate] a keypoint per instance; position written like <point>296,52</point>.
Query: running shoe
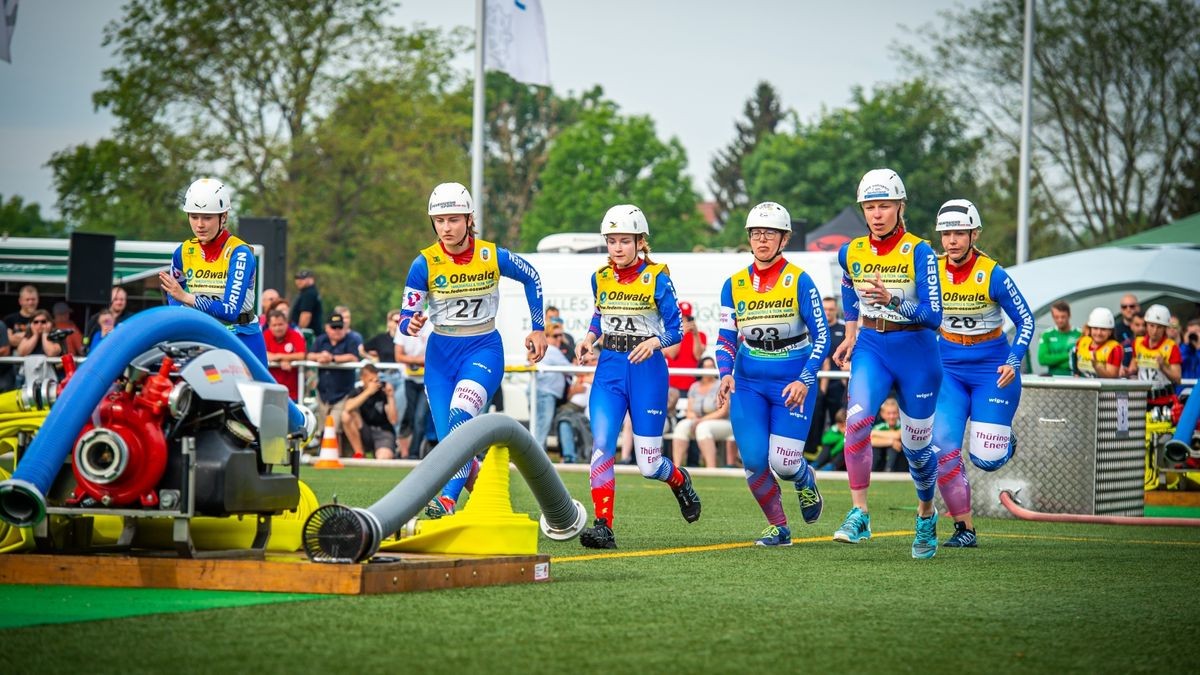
<point>925,543</point>
<point>439,507</point>
<point>599,535</point>
<point>689,501</point>
<point>775,536</point>
<point>811,503</point>
<point>962,537</point>
<point>855,528</point>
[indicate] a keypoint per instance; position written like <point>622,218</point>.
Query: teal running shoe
<point>775,536</point>
<point>925,543</point>
<point>439,507</point>
<point>855,528</point>
<point>811,503</point>
<point>962,537</point>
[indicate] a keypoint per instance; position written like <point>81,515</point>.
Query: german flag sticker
<point>212,374</point>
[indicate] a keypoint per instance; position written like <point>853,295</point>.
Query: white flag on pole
<point>516,40</point>
<point>7,23</point>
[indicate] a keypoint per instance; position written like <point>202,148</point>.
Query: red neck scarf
<point>764,280</point>
<point>627,274</point>
<point>464,257</point>
<point>960,273</point>
<point>213,248</point>
<point>885,245</point>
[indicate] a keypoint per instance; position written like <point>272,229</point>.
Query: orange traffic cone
<point>329,457</point>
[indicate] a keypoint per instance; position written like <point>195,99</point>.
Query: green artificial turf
<point>1034,597</point>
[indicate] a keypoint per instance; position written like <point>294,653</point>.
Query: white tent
<point>1098,277</point>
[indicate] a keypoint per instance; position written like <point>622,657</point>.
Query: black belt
<point>775,345</point>
<point>623,343</point>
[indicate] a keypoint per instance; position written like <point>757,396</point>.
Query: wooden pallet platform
<point>1172,498</point>
<point>395,573</point>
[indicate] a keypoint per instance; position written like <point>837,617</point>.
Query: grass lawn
<point>1033,598</point>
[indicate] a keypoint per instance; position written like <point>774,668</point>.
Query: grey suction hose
<point>335,533</point>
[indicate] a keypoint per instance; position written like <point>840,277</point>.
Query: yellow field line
<point>1050,537</point>
<point>700,549</point>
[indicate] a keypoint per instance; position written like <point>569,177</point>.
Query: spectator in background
<point>7,372</point>
<point>1137,329</point>
<point>36,339</point>
<point>73,345</point>
<point>833,445</point>
<point>306,311</point>
<point>685,354</point>
<point>350,332</point>
<point>574,430</point>
<point>1055,346</point>
<point>334,384</point>
<point>270,296</point>
<point>550,387</point>
<point>886,439</point>
<point>707,420</point>
<point>382,349</point>
<point>117,303</point>
<point>1189,350</point>
<point>18,321</point>
<point>284,346</point>
<point>831,393</point>
<point>414,419</point>
<point>1097,354</point>
<point>568,343</point>
<point>105,323</point>
<point>370,415</point>
<point>1175,329</point>
<point>1123,329</point>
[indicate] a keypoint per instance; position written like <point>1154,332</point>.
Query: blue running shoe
<point>811,503</point>
<point>962,537</point>
<point>855,528</point>
<point>925,543</point>
<point>439,507</point>
<point>775,536</point>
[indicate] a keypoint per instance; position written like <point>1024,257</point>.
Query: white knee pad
<point>990,445</point>
<point>786,455</point>
<point>915,433</point>
<point>648,450</point>
<point>470,397</point>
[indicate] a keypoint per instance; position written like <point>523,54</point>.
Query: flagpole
<point>1026,140</point>
<point>477,119</point>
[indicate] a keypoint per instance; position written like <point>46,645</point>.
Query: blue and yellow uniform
<point>896,347</point>
<point>976,296</point>
<point>626,315</point>
<point>465,357</point>
<point>222,276</point>
<point>779,316</point>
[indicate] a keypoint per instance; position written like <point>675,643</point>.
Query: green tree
<point>763,113</point>
<point>522,122</point>
<point>607,159</point>
<point>1116,101</point>
<point>365,172</point>
<point>996,199</point>
<point>18,219</point>
<point>910,127</point>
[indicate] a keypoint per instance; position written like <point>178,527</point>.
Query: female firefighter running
<point>215,271</point>
<point>636,316</point>
<point>459,279</point>
<point>890,279</point>
<point>776,308</point>
<point>982,377</point>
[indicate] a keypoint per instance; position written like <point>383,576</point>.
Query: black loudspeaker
<point>90,268</point>
<point>272,234</point>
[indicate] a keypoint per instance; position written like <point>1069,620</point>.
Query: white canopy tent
<point>1098,277</point>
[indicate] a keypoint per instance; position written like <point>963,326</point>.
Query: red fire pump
<point>120,457</point>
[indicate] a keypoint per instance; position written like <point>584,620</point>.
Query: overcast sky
<point>690,65</point>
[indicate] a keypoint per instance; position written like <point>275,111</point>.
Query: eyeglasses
<point>39,321</point>
<point>765,235</point>
<point>1133,306</point>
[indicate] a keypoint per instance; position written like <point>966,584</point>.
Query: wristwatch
<point>894,302</point>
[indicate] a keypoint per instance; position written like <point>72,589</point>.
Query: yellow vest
<point>207,279</point>
<point>1083,352</point>
<point>770,315</point>
<point>1147,364</point>
<point>897,269</point>
<point>968,308</point>
<point>463,295</point>
<point>629,309</point>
